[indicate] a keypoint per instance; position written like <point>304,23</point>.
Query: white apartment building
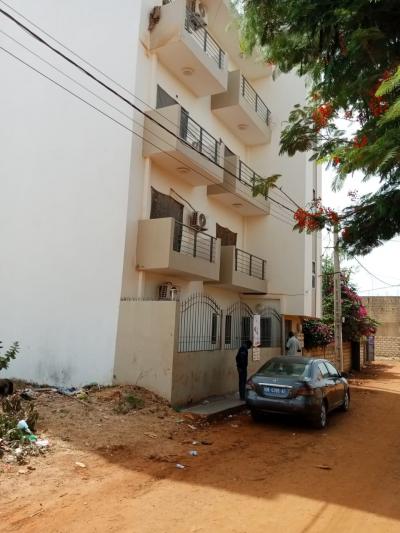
<point>139,254</point>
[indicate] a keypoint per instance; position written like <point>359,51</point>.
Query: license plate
<point>275,391</point>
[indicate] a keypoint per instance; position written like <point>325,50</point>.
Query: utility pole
<point>337,299</point>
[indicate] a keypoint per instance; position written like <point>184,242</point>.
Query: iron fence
<point>199,324</point>
<point>190,241</point>
<point>195,27</point>
<point>198,138</point>
<point>251,96</point>
<point>249,264</point>
<point>238,325</point>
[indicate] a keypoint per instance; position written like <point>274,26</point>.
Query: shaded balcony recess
<point>176,142</point>
<point>238,186</point>
<point>243,111</point>
<point>250,264</point>
<point>165,245</point>
<point>203,38</point>
<point>188,50</point>
<point>253,98</point>
<point>242,271</point>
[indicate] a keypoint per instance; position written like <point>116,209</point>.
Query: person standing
<point>293,346</point>
<point>242,361</point>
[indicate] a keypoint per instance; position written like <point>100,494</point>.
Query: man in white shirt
<point>293,345</point>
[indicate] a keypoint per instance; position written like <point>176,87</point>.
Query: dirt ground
<point>247,478</point>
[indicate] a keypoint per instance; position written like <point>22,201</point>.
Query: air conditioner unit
<point>198,221</point>
<point>167,291</point>
<point>199,13</point>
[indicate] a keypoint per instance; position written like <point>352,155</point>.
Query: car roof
<point>293,359</point>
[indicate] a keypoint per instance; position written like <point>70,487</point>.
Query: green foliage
<point>350,52</point>
<point>128,402</point>
<point>263,185</point>
<point>356,323</point>
<point>10,354</point>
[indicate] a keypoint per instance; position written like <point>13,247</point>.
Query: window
<point>313,275</point>
<point>214,327</point>
<point>163,98</point>
<point>228,329</point>
<point>246,323</point>
<point>228,237</point>
<point>323,371</point>
<point>332,370</point>
<point>266,331</point>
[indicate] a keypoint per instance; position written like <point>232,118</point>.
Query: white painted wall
<point>64,177</point>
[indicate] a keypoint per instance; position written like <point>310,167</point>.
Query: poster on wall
<point>256,353</point>
<point>256,330</point>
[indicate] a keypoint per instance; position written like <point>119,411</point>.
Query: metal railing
<point>252,97</point>
<point>246,175</point>
<point>193,25</point>
<point>199,324</point>
<point>198,138</point>
<point>249,264</point>
<point>189,241</point>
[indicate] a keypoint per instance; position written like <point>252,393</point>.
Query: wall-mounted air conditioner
<point>198,221</point>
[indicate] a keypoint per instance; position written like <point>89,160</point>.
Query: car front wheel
<point>346,401</point>
<point>320,420</point>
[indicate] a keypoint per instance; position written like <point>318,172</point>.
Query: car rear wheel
<point>256,415</point>
<point>346,401</point>
<point>321,419</point>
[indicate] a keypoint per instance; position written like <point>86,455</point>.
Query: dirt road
<point>247,478</point>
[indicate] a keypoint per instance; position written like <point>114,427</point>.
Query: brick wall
<point>328,352</point>
<point>387,346</point>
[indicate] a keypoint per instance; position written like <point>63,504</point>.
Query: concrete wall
<point>197,375</point>
<point>64,177</point>
<point>146,343</point>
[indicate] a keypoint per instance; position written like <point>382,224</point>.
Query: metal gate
<point>199,324</point>
<point>238,325</point>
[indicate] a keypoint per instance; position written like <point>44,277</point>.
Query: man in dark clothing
<point>242,360</point>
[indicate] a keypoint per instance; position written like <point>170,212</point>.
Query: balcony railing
<point>189,241</point>
<point>204,39</point>
<point>198,138</point>
<point>249,264</point>
<point>247,175</point>
<point>252,97</point>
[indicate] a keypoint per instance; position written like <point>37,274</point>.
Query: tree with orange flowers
<point>350,51</point>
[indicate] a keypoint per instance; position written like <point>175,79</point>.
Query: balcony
<point>189,151</point>
<point>169,247</point>
<point>243,111</point>
<point>242,271</point>
<point>187,50</point>
<point>237,188</point>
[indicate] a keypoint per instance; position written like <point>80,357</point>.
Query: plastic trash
<point>23,426</point>
<point>193,453</point>
<point>181,467</point>
<point>42,443</point>
<point>28,394</point>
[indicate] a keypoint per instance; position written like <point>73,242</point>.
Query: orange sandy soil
<point>248,478</point>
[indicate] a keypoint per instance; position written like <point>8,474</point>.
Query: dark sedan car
<point>297,385</point>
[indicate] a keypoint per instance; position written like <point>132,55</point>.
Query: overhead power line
<point>103,112</point>
<point>372,275</point>
<point>107,87</point>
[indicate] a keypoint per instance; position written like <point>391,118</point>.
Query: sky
<point>382,263</point>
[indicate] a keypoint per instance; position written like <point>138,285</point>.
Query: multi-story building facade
<point>179,260</point>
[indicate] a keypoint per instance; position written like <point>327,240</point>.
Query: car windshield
<point>277,367</point>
